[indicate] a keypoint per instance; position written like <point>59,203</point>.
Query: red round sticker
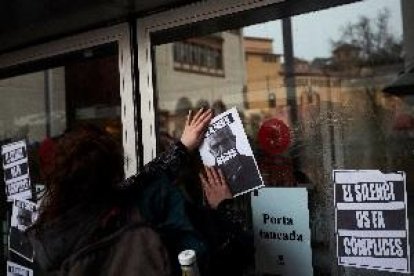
<point>274,136</point>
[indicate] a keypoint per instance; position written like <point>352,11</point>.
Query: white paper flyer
<point>14,269</point>
<point>16,171</point>
<point>226,146</point>
<point>24,214</point>
<point>281,231</point>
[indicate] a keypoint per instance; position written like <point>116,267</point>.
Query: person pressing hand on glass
<point>215,187</point>
<point>92,222</point>
<point>230,240</point>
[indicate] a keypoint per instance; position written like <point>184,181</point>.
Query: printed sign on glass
<point>226,146</point>
<point>16,171</point>
<point>281,231</point>
<point>24,214</point>
<point>371,220</point>
<point>14,269</point>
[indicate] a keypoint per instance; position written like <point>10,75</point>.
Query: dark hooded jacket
<point>125,238</point>
<point>79,244</point>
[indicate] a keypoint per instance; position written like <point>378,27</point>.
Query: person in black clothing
<point>92,222</point>
<point>225,227</point>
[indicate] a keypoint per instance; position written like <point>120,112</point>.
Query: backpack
<point>134,249</point>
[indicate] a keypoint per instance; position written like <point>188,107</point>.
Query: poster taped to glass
<point>16,171</point>
<point>371,220</point>
<point>226,146</point>
<point>14,269</point>
<point>24,214</point>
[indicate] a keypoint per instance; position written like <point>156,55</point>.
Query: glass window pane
<point>322,77</point>
<point>39,107</point>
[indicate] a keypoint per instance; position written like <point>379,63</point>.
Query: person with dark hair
<point>92,222</point>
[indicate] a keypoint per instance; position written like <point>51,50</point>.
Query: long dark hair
<point>88,164</point>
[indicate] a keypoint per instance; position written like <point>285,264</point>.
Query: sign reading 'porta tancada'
<point>371,220</point>
<point>281,231</point>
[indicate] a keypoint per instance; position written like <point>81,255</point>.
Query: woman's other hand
<point>194,129</point>
<point>215,186</point>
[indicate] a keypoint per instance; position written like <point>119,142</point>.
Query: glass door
<point>39,106</point>
<point>319,81</point>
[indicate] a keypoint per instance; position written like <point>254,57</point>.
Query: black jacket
<point>107,239</point>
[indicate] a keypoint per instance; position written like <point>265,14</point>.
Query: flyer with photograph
<point>16,171</point>
<point>14,269</point>
<point>24,214</point>
<point>226,146</point>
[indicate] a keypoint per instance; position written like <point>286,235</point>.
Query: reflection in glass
<point>39,107</point>
<point>338,117</point>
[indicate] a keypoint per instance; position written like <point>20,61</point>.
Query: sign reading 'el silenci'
<point>371,220</point>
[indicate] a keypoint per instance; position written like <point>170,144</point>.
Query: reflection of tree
<point>376,43</point>
<point>366,57</point>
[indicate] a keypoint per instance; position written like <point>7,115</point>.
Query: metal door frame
<point>168,20</point>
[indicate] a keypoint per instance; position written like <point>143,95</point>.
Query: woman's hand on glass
<point>195,127</point>
<point>215,186</point>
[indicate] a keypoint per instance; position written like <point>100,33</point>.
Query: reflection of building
<point>61,98</point>
<point>24,114</point>
<point>263,69</point>
<point>197,72</point>
<point>346,57</point>
<point>332,95</point>
<point>322,80</point>
<point>203,55</point>
<point>266,87</point>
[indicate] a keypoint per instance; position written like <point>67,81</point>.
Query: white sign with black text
<point>16,171</point>
<point>281,231</point>
<point>371,220</point>
<point>14,269</point>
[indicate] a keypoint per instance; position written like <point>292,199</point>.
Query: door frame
<point>168,21</point>
<point>121,34</point>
